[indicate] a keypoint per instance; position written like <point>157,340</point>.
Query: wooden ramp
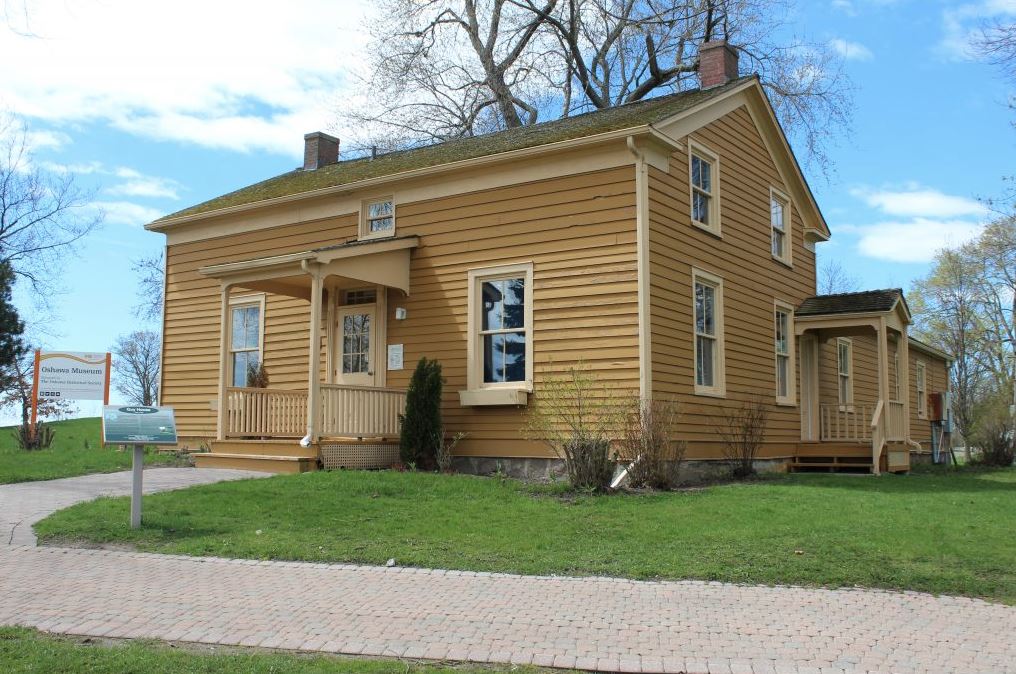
<point>832,457</point>
<point>271,456</point>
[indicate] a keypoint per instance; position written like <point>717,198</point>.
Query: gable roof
<point>864,302</point>
<point>625,116</point>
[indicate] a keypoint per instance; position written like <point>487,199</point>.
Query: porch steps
<point>270,456</point>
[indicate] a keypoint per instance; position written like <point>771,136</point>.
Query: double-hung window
<point>844,369</point>
<point>784,333</point>
<point>921,376</point>
<point>704,171</point>
<point>779,220</point>
<point>377,218</point>
<point>708,324</point>
<point>501,327</point>
<point>245,335</point>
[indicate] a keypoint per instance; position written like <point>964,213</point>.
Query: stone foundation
<point>692,471</point>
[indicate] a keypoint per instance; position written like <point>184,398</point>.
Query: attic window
<point>377,218</point>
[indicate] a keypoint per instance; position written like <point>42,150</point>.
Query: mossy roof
<point>866,301</point>
<point>355,170</point>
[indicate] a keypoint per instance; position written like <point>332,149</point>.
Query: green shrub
<point>422,429</point>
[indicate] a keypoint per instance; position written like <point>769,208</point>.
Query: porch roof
<point>379,261</point>
<point>867,301</point>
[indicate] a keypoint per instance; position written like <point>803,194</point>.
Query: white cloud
<point>38,140</point>
<point>917,201</point>
<point>851,51</point>
<point>127,213</point>
<point>961,25</point>
<point>139,185</point>
<point>250,80</point>
<point>915,240</point>
<point>915,222</point>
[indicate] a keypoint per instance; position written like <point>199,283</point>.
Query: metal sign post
<point>138,425</point>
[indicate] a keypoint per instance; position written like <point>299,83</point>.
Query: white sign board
<point>72,376</point>
<point>394,356</point>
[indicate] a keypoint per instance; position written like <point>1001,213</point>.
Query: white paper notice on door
<point>394,356</point>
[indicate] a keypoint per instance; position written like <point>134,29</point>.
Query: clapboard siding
<point>578,231</point>
<point>753,280</point>
<point>937,382</point>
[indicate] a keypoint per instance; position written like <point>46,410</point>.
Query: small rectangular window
<point>364,296</point>
<point>377,218</point>
<point>244,340</point>
<point>779,221</point>
<point>500,321</point>
<point>708,308</point>
<point>921,374</point>
<point>844,368</point>
<point>703,167</point>
<point>784,333</point>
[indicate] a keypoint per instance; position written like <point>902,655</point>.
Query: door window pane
<point>355,343</point>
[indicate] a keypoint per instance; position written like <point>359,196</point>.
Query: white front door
<point>355,329</point>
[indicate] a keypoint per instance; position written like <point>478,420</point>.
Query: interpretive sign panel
<point>138,424</point>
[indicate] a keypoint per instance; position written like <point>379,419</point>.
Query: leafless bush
<point>743,431</point>
<point>42,438</point>
<point>576,417</point>
<point>648,444</point>
<point>994,437</point>
<point>446,452</point>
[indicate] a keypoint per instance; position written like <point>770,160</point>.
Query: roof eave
<point>163,225</point>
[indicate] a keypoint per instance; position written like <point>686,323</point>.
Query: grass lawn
<point>23,650</point>
<point>76,450</point>
<point>937,532</point>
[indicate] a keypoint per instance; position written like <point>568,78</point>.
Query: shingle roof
<point>867,301</point>
<point>568,128</point>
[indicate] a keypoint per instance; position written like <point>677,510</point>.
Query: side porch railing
<point>845,423</point>
<point>345,412</point>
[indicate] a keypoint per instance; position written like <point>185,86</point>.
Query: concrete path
<point>25,503</point>
<point>591,623</point>
<point>588,623</point>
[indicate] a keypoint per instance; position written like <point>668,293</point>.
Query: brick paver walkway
<point>25,503</point>
<point>589,623</point>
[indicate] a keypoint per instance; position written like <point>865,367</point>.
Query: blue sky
<point>157,105</point>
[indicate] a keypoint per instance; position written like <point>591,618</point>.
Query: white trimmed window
<point>921,376</point>
<point>377,218</point>
<point>845,370</point>
<point>704,172</point>
<point>246,333</point>
<point>501,327</point>
<point>707,300</point>
<point>779,221</point>
<point>784,333</point>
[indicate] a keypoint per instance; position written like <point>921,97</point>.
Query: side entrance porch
<point>346,415</point>
<point>855,367</point>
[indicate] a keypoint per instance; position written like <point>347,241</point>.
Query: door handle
<point>370,373</point>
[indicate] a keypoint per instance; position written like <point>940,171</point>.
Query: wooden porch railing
<point>895,421</point>
<point>346,412</point>
<point>265,412</point>
<point>361,411</point>
<point>850,423</point>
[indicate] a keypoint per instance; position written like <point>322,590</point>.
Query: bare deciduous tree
<point>137,361</point>
<point>997,44</point>
<point>42,215</point>
<point>834,279</point>
<point>151,286</point>
<point>445,69</point>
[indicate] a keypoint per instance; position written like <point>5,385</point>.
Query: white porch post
<point>223,408</point>
<point>314,352</point>
<point>904,375</point>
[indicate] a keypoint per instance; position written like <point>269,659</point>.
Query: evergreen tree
<point>422,429</point>
<point>12,346</point>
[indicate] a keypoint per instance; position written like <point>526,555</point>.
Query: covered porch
<point>854,358</point>
<point>345,402</point>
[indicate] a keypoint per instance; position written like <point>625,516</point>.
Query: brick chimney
<point>717,64</point>
<point>319,149</point>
